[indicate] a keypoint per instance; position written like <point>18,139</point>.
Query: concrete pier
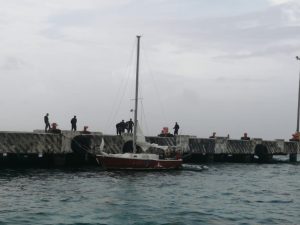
<point>74,148</point>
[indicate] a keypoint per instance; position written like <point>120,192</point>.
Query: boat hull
<point>119,163</point>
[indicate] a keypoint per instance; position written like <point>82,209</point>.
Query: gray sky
<point>211,65</point>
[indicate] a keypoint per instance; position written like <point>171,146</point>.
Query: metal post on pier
<point>298,110</point>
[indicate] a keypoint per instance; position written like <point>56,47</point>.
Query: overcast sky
<point>211,65</point>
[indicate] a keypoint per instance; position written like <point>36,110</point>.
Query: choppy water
<point>222,194</point>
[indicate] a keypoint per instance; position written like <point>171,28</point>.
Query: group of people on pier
<point>122,126</point>
<point>53,127</point>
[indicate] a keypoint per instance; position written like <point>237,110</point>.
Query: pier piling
<point>293,157</point>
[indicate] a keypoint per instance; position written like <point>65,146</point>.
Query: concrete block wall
<point>27,142</point>
<point>47,143</point>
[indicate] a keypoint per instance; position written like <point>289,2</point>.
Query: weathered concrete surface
<point>74,146</point>
<point>202,145</point>
<point>291,147</point>
<point>21,142</point>
<point>46,149</point>
<point>169,141</point>
<point>64,143</point>
<point>229,146</point>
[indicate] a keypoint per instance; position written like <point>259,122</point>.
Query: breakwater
<point>74,148</point>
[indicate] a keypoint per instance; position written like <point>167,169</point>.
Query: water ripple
<point>223,194</point>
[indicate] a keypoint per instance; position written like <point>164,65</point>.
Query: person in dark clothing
<point>122,126</point>
<point>129,125</point>
<point>176,128</point>
<point>245,137</point>
<point>118,128</point>
<point>47,124</point>
<point>74,123</point>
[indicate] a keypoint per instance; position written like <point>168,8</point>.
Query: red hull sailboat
<point>138,161</point>
<point>130,161</point>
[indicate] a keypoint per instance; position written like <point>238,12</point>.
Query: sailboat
<point>134,160</point>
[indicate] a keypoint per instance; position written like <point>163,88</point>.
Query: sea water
<point>219,194</point>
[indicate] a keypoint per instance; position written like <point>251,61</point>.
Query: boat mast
<point>297,130</point>
<point>136,92</point>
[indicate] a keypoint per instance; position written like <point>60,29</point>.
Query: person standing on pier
<point>245,137</point>
<point>122,126</point>
<point>118,128</point>
<point>176,128</point>
<point>47,124</point>
<point>74,123</point>
<point>129,125</point>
